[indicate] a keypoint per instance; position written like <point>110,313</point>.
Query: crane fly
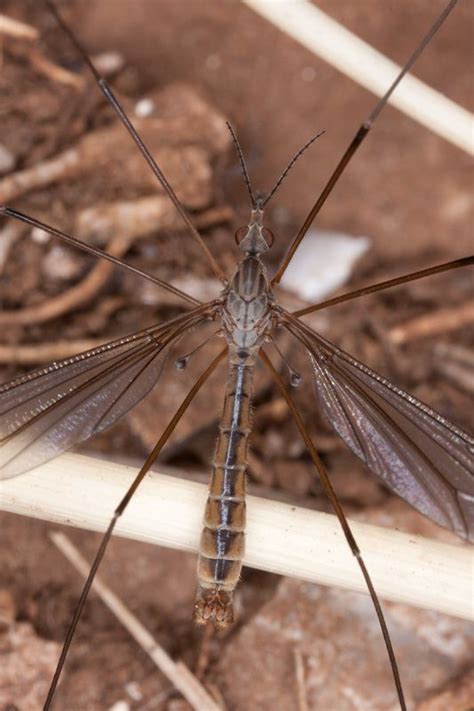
<point>418,454</point>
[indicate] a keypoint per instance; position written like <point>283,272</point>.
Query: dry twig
<point>15,28</point>
<point>433,324</point>
<point>54,71</point>
<point>64,165</point>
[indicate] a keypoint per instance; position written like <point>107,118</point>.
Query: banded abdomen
<point>222,540</point>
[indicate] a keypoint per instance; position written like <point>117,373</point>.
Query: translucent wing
<point>47,411</point>
<point>421,456</point>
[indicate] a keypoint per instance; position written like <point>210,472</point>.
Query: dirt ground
<point>407,189</point>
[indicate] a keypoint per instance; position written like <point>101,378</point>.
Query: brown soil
<point>407,189</point>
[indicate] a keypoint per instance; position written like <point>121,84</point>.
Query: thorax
<point>247,306</point>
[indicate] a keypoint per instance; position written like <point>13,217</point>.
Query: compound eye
<point>240,234</point>
<point>268,236</point>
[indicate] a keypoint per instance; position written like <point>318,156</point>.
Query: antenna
<point>290,166</point>
<point>242,164</point>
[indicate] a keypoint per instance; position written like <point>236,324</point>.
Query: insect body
<point>420,455</point>
<point>246,314</point>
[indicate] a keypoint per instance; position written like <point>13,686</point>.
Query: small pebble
<point>120,706</point>
<point>133,690</point>
<point>108,63</point>
<point>144,108</point>
<point>61,263</point>
<point>40,236</point>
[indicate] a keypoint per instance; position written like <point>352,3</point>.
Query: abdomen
<point>223,537</point>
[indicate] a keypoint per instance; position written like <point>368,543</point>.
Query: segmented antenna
<point>290,166</point>
<point>242,164</point>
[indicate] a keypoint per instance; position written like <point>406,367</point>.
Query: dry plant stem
<point>282,538</point>
<point>456,363</point>
<point>74,298</point>
<point>64,165</point>
<point>177,672</point>
<point>442,321</point>
<point>53,71</point>
<point>455,354</point>
<point>15,28</point>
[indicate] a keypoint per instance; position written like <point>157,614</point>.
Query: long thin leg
<point>10,212</point>
<point>112,99</point>
<point>332,496</point>
<point>437,269</point>
<point>356,141</point>
<point>118,512</point>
